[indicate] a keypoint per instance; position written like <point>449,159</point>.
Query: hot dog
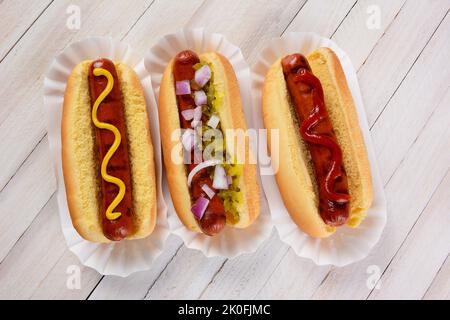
<point>200,93</point>
<point>316,129</point>
<point>214,217</point>
<point>322,154</point>
<point>107,153</point>
<point>111,111</point>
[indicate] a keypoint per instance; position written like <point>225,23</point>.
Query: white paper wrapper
<point>347,245</point>
<point>231,242</point>
<point>118,258</point>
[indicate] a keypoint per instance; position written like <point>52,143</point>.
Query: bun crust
<point>295,176</point>
<point>231,117</point>
<point>80,165</point>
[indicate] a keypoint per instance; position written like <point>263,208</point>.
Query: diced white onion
<point>213,121</point>
<point>209,192</point>
<point>200,166</point>
<point>187,139</point>
<point>203,75</point>
<point>197,117</point>
<point>200,98</point>
<point>188,114</point>
<point>220,178</point>
<point>198,113</point>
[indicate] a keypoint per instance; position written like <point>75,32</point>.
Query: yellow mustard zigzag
<point>110,215</point>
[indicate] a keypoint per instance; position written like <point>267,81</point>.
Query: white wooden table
<point>401,50</point>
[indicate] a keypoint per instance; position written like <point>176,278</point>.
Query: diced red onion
<point>200,98</point>
<point>213,121</point>
<point>203,75</point>
<point>188,114</point>
<point>187,139</point>
<point>229,180</point>
<point>209,192</point>
<point>182,87</point>
<point>220,178</point>
<point>199,207</point>
<point>200,166</point>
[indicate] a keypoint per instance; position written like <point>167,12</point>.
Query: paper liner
<point>117,258</point>
<point>231,242</point>
<point>347,245</point>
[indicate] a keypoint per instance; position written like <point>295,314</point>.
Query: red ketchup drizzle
<point>316,129</point>
<point>318,114</point>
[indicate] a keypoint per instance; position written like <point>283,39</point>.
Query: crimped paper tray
<point>347,245</point>
<point>118,258</point>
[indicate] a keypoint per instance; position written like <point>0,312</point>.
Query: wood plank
<point>413,103</point>
<point>164,17</point>
<point>24,196</point>
<point>136,286</point>
<point>410,109</point>
<point>242,277</point>
<point>31,187</point>
<point>414,267</point>
<point>397,51</point>
<point>40,260</point>
<point>248,28</point>
<point>21,95</point>
<point>243,25</point>
<point>331,14</point>
<point>304,278</point>
<point>262,275</point>
<point>27,264</point>
<point>440,288</point>
<point>54,283</point>
<point>59,284</point>
<point>354,35</point>
<point>187,274</point>
<point>17,18</point>
<point>307,277</point>
<point>306,281</point>
<point>146,31</point>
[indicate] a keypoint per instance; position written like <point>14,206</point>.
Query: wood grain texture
<point>254,23</point>
<point>414,25</point>
<point>242,285</point>
<point>406,90</point>
<point>17,18</point>
<point>34,181</point>
<point>360,24</point>
<point>420,254</point>
<point>21,112</point>
<point>440,288</point>
<point>423,165</point>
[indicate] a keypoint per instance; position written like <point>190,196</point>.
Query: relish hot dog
<point>324,174</point>
<point>214,218</point>
<point>200,93</point>
<point>107,153</point>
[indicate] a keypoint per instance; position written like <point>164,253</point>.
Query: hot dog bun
<point>231,117</point>
<point>80,164</point>
<point>295,177</point>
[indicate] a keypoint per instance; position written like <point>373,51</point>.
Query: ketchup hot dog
<point>200,95</point>
<point>316,129</point>
<point>107,153</point>
<point>324,174</point>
